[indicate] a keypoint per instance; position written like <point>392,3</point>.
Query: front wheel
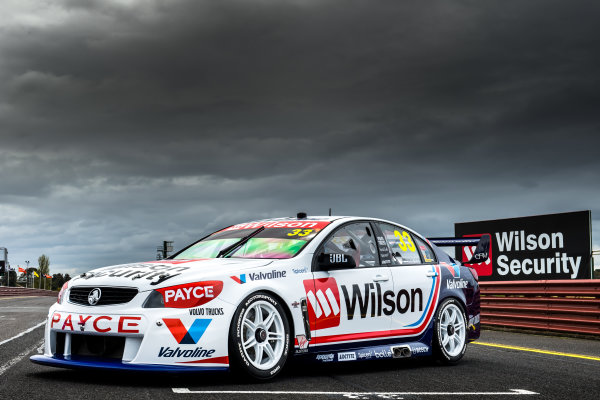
<point>450,332</point>
<point>259,339</point>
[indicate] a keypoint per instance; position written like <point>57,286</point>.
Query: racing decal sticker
<point>325,357</point>
<point>187,336</point>
<point>404,301</point>
<point>191,295</point>
<point>258,276</point>
<point>280,224</point>
<point>456,284</point>
<point>149,270</point>
<point>212,311</point>
<point>97,323</point>
<point>419,349</point>
<point>179,353</point>
<point>215,360</point>
<point>302,344</point>
<point>347,356</point>
<point>453,268</point>
<point>482,268</point>
<point>358,299</point>
<point>324,302</point>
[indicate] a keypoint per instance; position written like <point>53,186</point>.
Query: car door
<point>345,305</point>
<point>416,279</point>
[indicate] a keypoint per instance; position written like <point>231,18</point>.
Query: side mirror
<point>333,261</point>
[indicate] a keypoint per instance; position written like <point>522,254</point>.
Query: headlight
<point>154,300</point>
<point>62,293</point>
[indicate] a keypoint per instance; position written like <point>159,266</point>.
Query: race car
<point>253,296</point>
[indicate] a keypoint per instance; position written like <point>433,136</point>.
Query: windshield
<point>279,239</point>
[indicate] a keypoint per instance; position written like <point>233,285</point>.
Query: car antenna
<point>330,211</point>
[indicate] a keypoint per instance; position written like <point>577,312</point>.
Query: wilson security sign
<point>555,246</point>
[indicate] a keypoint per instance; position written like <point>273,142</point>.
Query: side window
<point>354,240</point>
<point>426,251</point>
<point>402,246</point>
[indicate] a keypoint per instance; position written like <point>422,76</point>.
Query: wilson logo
<point>324,302</point>
<point>187,336</point>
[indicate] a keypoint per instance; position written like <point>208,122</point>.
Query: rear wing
<point>482,244</point>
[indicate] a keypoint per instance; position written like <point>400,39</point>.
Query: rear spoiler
<point>481,252</point>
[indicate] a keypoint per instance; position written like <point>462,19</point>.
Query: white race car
<point>251,296</point>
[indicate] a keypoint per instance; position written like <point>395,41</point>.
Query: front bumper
<point>137,338</point>
<point>116,365</point>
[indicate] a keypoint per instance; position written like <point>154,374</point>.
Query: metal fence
<point>18,292</point>
<point>560,306</point>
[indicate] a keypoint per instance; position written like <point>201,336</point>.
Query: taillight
<point>474,273</point>
<point>62,292</point>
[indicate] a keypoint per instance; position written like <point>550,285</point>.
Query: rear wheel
<point>259,340</point>
<point>450,332</point>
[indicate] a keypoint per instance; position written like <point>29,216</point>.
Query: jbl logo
<point>324,302</point>
<point>337,258</point>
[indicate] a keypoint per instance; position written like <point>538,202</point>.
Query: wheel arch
<point>286,309</point>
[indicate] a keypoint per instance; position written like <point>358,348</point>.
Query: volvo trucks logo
<point>94,296</point>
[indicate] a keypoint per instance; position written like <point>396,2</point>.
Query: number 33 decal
<point>410,246</point>
<point>300,232</point>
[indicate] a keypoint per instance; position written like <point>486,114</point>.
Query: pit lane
<point>512,365</point>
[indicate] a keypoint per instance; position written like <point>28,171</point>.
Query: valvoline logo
<point>324,302</point>
<point>239,279</point>
<point>187,336</point>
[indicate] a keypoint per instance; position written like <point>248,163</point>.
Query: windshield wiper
<point>239,243</point>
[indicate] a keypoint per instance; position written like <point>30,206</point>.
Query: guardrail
<point>561,306</point>
<point>20,291</point>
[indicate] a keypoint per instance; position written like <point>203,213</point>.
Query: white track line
<point>18,358</point>
<point>354,394</point>
<point>22,333</point>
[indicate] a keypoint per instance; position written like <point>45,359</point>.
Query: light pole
<point>26,274</point>
<point>4,252</point>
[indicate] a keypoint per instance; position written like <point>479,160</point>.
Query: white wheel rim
<point>262,317</point>
<point>452,330</point>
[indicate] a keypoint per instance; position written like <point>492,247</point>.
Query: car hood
<point>157,274</point>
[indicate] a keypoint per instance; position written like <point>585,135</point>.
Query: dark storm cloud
<point>124,122</point>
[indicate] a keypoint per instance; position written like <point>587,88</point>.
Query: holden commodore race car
<point>253,296</point>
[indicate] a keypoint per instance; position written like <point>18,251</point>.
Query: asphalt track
<point>542,367</point>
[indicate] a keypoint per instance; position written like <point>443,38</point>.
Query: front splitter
<point>116,365</point>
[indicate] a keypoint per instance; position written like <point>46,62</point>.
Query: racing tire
<point>259,337</point>
<point>450,332</point>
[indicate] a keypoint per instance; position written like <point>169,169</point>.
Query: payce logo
<point>187,336</point>
<point>191,295</point>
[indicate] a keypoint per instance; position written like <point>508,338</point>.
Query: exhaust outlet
<point>401,352</point>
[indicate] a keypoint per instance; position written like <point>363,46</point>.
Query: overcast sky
<point>127,122</point>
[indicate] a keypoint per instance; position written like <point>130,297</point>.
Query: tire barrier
<point>562,305</point>
<point>19,291</point>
